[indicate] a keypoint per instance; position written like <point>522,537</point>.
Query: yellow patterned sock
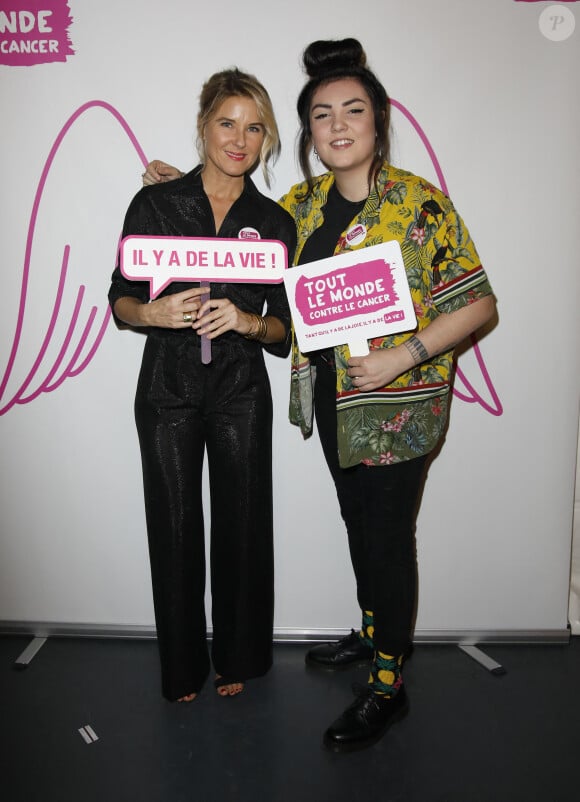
<point>368,628</point>
<point>386,677</point>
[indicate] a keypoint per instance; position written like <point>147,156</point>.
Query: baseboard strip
<point>52,629</point>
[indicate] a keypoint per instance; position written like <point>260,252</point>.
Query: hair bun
<point>327,55</point>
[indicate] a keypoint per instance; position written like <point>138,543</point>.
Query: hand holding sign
<point>350,298</point>
<point>162,260</point>
<point>378,368</point>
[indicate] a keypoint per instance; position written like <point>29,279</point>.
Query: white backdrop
<point>499,103</point>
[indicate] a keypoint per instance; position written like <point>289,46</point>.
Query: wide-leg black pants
<point>184,409</point>
<point>379,506</point>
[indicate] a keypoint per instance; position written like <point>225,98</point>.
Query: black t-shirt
<point>338,212</point>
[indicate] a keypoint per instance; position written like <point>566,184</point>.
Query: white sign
<point>350,298</point>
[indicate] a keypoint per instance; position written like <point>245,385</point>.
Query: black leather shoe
<point>348,652</point>
<point>366,720</point>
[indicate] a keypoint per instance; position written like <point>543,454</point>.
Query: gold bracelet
<point>251,334</point>
<point>261,328</point>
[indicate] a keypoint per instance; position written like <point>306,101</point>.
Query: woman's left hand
<point>379,368</point>
<point>218,315</point>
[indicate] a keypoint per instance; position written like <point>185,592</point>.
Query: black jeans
<point>379,507</point>
<point>183,409</point>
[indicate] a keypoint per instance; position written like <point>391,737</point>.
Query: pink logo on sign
<point>356,290</point>
<point>34,32</point>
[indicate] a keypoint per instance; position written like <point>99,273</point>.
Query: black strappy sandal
<point>219,682</point>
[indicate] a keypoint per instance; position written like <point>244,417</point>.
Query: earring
<point>315,153</point>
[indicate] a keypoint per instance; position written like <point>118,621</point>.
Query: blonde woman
<point>185,408</point>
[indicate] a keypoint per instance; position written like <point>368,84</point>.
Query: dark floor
<point>471,736</point>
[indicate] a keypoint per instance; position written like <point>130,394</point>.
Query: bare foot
<point>189,698</point>
<point>229,690</point>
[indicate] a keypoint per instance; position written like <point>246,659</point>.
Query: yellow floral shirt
<point>407,418</point>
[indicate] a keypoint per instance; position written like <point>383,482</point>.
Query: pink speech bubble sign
<point>162,260</point>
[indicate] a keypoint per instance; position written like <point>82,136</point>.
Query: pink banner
<point>34,32</point>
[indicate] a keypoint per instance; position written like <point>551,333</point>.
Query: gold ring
<point>187,318</point>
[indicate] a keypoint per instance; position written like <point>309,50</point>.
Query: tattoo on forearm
<point>416,349</point>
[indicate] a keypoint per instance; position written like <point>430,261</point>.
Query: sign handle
<point>358,347</point>
<point>205,343</point>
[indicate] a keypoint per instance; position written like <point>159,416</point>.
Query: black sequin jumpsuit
<point>185,409</point>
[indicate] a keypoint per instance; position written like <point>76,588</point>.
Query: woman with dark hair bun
<point>378,416</point>
<point>327,61</point>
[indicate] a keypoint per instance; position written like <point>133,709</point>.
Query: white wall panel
<point>500,105</point>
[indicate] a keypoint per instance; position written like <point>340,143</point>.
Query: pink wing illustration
<point>469,393</point>
<point>65,327</point>
<point>67,339</point>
